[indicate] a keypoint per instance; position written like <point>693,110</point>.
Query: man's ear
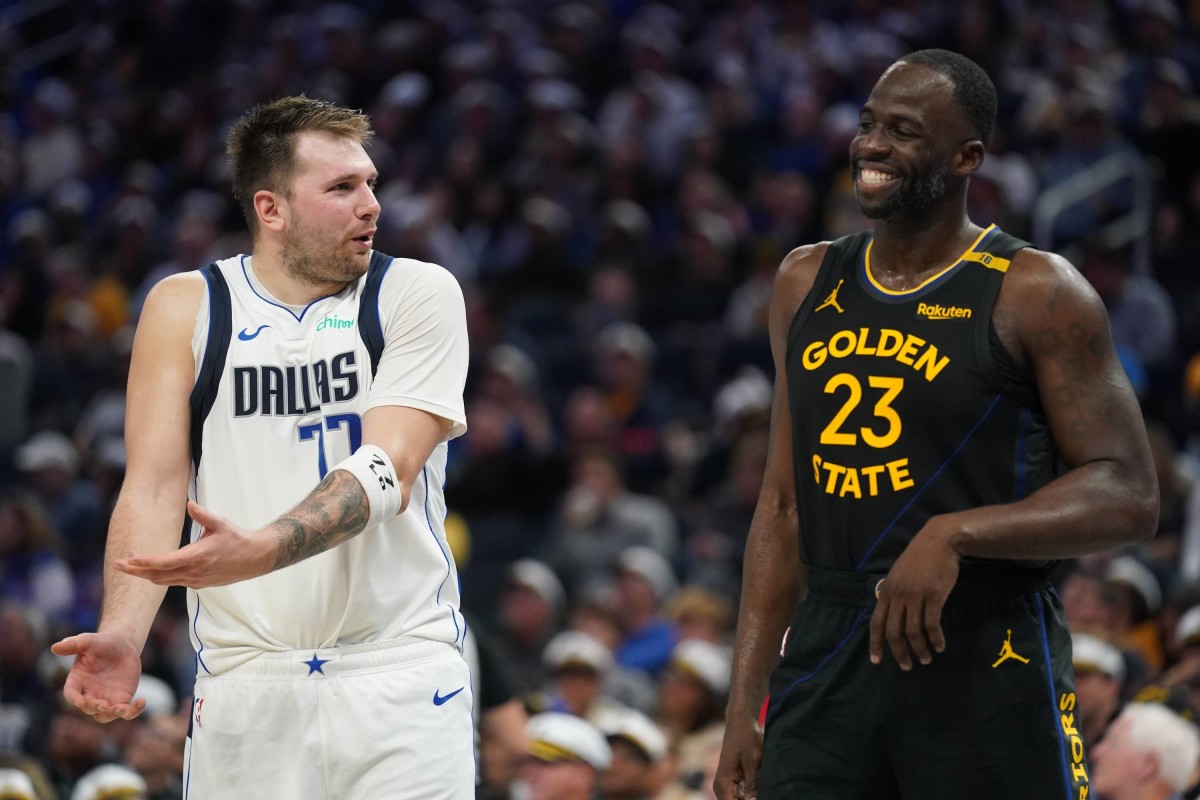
<point>968,159</point>
<point>271,209</point>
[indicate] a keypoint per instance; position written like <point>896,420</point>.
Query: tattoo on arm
<point>336,511</point>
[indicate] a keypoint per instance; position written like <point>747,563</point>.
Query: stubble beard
<point>317,261</point>
<point>913,200</point>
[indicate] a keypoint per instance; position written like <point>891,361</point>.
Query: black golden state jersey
<point>904,404</point>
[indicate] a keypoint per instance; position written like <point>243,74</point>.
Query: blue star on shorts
<point>315,664</point>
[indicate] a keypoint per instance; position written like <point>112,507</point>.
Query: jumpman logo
<point>1006,652</point>
<point>831,300</point>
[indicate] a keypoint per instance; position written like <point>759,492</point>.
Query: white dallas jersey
<point>279,399</point>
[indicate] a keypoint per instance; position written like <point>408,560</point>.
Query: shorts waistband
<point>330,661</point>
<point>975,582</point>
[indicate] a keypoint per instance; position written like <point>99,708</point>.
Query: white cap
<point>47,449</point>
<point>1129,571</point>
<point>159,696</point>
<point>650,565</point>
<point>16,785</point>
<point>539,578</point>
<point>636,728</point>
<point>1091,653</point>
<point>629,338</point>
<point>577,649</point>
<point>1187,630</point>
<point>110,782</point>
<point>554,736</point>
<point>704,661</point>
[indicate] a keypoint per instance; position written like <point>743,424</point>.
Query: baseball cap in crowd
<point>635,728</point>
<point>652,567</point>
<point>47,449</point>
<point>540,579</point>
<point>705,662</point>
<point>577,650</point>
<point>16,785</point>
<point>110,782</point>
<point>1128,571</point>
<point>159,696</point>
<point>1187,630</point>
<point>1092,654</point>
<point>554,737</point>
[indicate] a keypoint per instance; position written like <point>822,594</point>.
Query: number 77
<point>316,430</point>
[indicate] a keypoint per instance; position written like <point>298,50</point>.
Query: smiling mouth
<point>870,177</point>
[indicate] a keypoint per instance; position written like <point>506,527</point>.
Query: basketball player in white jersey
<point>297,401</point>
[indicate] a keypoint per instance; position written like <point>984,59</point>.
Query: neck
<point>268,265</point>
<point>907,248</point>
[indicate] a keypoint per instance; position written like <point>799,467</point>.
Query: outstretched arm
<point>1055,325</point>
<point>148,516</point>
<point>772,576</point>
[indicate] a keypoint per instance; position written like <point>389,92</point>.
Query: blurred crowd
<point>613,184</point>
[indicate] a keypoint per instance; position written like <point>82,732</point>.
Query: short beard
<point>913,200</point>
<point>305,263</point>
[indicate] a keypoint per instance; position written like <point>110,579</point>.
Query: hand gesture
<point>911,598</point>
<point>223,554</point>
<point>104,676</point>
<point>741,754</point>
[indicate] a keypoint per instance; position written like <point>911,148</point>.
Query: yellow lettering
<point>862,349</point>
<point>816,469</point>
<point>1078,770</point>
<point>931,363</point>
<point>814,355</point>
<point>842,344</point>
<point>889,343</point>
<point>1083,793</point>
<point>1068,725</point>
<point>898,472</point>
<point>1066,701</point>
<point>850,485</point>
<point>834,471</point>
<point>911,345</point>
<point>872,474</point>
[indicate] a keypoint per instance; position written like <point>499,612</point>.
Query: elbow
<point>1144,517</point>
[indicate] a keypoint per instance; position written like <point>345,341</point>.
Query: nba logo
<point>199,708</point>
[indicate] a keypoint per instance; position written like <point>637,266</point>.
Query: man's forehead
<point>325,153</point>
<point>913,85</point>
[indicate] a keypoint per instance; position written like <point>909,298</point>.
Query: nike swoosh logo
<point>438,699</point>
<point>245,335</point>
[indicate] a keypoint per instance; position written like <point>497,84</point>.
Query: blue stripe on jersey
<point>212,364</point>
<point>917,494</point>
<point>370,321</point>
<point>195,619</point>
<point>458,633</point>
<point>1063,748</point>
<point>298,317</point>
<point>1021,469</point>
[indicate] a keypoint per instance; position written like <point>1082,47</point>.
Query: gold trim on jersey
<point>988,260</point>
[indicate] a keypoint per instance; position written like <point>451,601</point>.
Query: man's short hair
<point>973,89</point>
<point>262,144</point>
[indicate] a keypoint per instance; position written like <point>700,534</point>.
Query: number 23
<point>883,410</point>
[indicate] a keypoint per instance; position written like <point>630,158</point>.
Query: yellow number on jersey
<point>883,410</point>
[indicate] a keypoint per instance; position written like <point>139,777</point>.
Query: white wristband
<point>374,470</point>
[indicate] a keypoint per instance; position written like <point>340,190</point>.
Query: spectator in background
<point>110,782</point>
<point>692,693</point>
<point>1138,599</point>
<point>32,568</point>
<point>645,583</point>
<point>579,665</point>
<point>638,749</point>
<point>1148,754</point>
<point>529,611</point>
<point>1099,671</point>
<point>567,757</point>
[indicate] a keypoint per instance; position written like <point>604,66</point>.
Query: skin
<point>1052,324</point>
<point>311,241</point>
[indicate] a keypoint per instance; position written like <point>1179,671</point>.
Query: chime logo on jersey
<point>294,390</point>
<point>334,322</point>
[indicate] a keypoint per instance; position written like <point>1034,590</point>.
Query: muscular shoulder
<point>793,281</point>
<point>416,290</point>
<point>174,300</point>
<point>1043,298</point>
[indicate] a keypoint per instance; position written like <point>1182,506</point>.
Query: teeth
<point>874,177</point>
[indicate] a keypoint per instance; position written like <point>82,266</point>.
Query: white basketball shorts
<point>381,720</point>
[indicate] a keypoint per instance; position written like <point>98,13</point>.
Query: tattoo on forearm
<point>335,512</point>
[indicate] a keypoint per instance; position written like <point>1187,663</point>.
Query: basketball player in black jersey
<point>949,419</point>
